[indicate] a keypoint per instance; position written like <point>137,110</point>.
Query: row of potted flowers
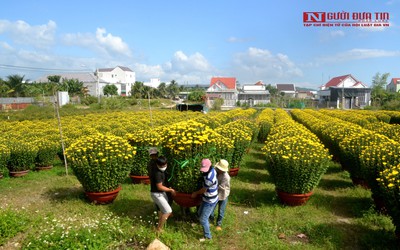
<point>368,156</point>
<point>184,144</point>
<point>34,144</point>
<point>375,121</point>
<point>295,159</point>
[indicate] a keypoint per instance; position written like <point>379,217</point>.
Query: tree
<point>138,90</point>
<point>16,85</point>
<point>172,89</point>
<point>54,78</point>
<point>378,92</point>
<point>110,90</point>
<point>4,89</point>
<point>272,90</point>
<point>73,86</point>
<point>162,90</point>
<point>196,95</point>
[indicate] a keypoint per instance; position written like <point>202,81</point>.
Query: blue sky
<point>192,41</point>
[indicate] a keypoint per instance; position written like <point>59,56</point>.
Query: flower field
<point>297,147</point>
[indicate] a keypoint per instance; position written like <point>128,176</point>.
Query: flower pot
<point>234,171</point>
<point>293,199</point>
<point>103,197</point>
<point>186,200</point>
<point>40,168</point>
<point>139,179</point>
<point>18,173</point>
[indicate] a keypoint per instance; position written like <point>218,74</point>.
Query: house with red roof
<point>344,92</point>
<point>394,85</point>
<point>225,88</point>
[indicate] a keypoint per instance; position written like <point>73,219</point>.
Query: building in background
<point>344,92</point>
<point>122,77</point>
<point>222,87</point>
<point>288,90</point>
<point>253,94</point>
<point>394,85</point>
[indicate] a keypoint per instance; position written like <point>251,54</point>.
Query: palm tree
<point>378,92</point>
<point>162,90</point>
<point>4,89</point>
<point>16,84</point>
<point>137,89</point>
<point>172,89</point>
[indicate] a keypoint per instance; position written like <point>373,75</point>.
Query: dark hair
<point>161,161</point>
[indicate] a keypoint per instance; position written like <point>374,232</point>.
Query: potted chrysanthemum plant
<point>185,144</point>
<point>100,162</point>
<point>142,140</point>
<point>22,157</point>
<point>296,161</point>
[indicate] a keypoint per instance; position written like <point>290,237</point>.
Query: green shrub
<point>218,102</point>
<point>89,100</point>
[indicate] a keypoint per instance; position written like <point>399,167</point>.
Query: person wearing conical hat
<point>224,188</point>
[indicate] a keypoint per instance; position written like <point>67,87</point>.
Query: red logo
<point>314,17</point>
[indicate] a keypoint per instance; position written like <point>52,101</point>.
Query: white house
<point>254,94</point>
<point>122,77</point>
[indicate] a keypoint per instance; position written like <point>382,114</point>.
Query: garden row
<point>96,143</point>
<point>371,158</point>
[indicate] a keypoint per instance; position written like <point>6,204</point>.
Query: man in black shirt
<point>159,191</point>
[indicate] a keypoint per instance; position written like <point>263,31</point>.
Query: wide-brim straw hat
<point>222,165</point>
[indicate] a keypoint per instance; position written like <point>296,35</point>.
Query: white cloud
<point>102,42</point>
<point>39,36</point>
<point>187,64</point>
<point>193,69</point>
<point>359,54</point>
<point>255,64</point>
<point>112,43</point>
<point>6,46</point>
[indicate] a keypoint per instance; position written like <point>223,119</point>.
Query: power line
<point>6,66</point>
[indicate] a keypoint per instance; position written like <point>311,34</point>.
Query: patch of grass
<point>339,215</point>
<point>11,223</point>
